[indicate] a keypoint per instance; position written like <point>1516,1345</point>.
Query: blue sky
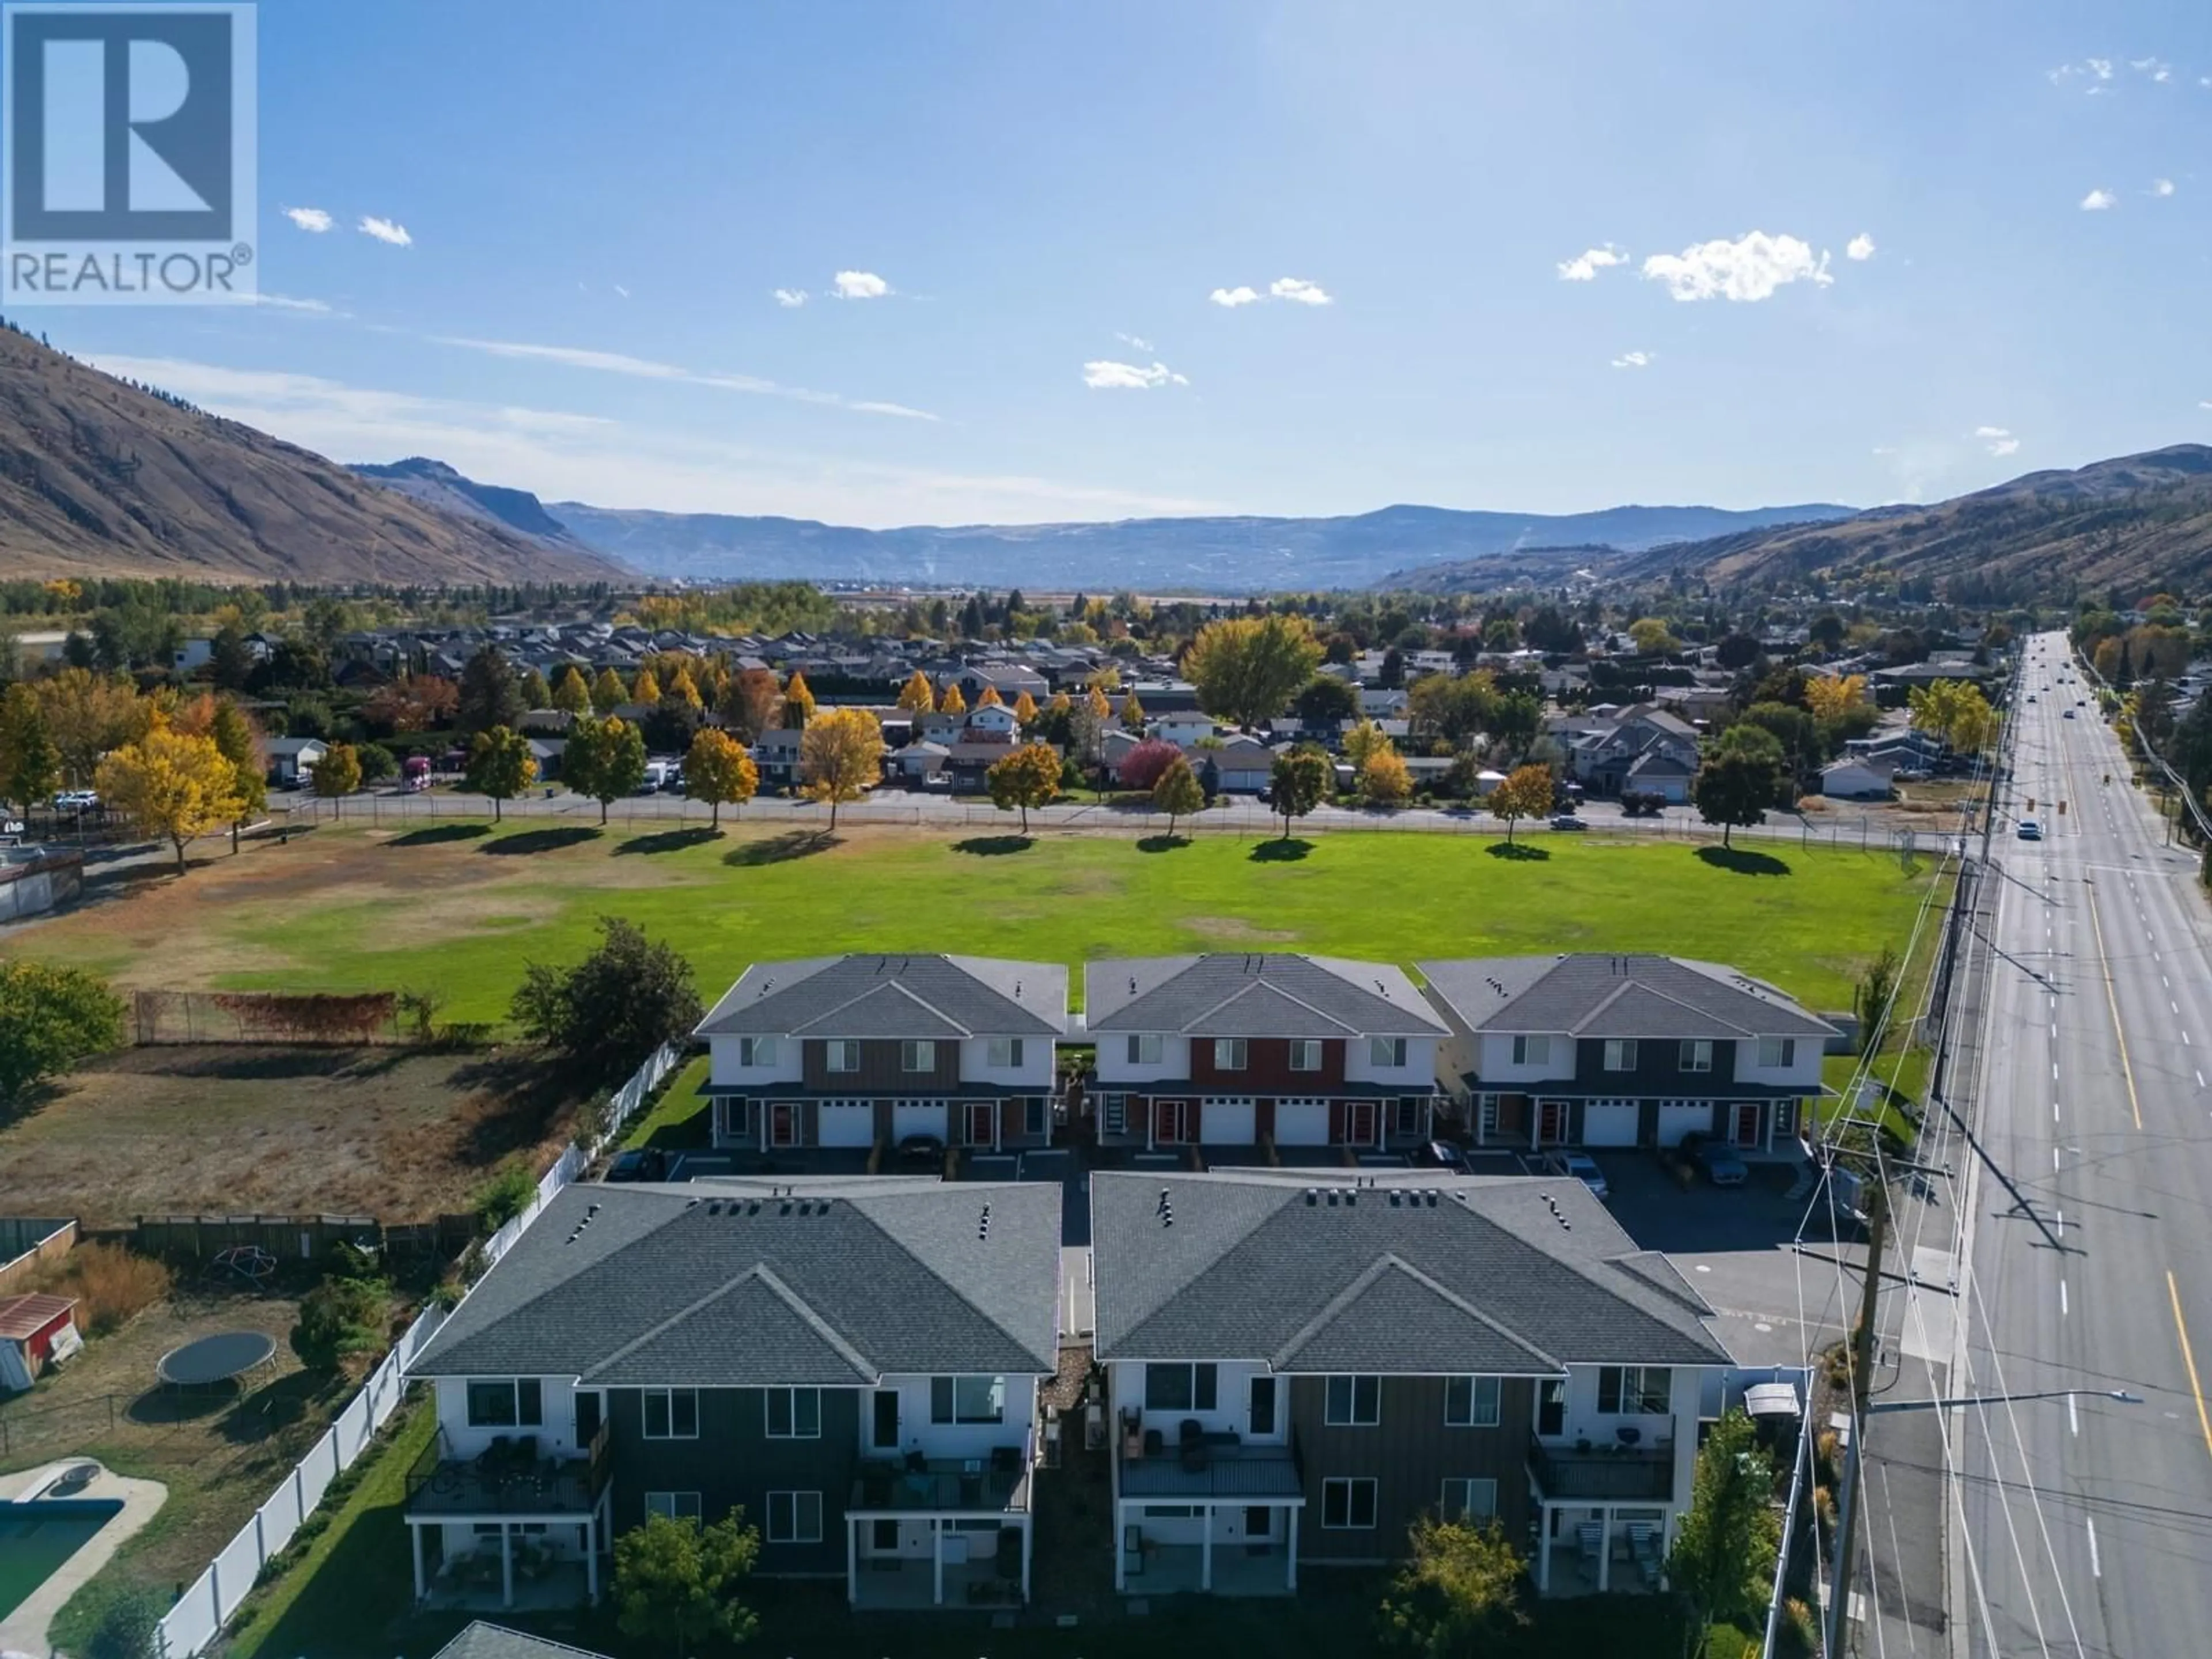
<point>599,203</point>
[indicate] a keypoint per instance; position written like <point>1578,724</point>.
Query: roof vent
<point>1397,1200</point>
<point>983,1224</point>
<point>715,1207</point>
<point>1313,1196</point>
<point>590,1210</point>
<point>1333,1197</point>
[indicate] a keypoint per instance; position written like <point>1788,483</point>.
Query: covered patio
<point>1226,1524</point>
<point>523,1520</point>
<point>905,1561</point>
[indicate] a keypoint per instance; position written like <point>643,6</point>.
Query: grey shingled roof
<point>483,1641</point>
<point>1409,1273</point>
<point>893,996</point>
<point>1268,994</point>
<point>1592,994</point>
<point>743,1283</point>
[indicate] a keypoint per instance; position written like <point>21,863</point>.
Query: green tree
<point>1326,700</point>
<point>1514,721</point>
<point>1298,783</point>
<point>129,1624</point>
<point>230,658</point>
<point>1458,1591</point>
<point>240,740</point>
<point>1870,1000</point>
<point>1526,792</point>
<point>30,765</point>
<point>533,690</point>
<point>604,760</point>
<point>342,1317</point>
<point>49,1018</point>
<point>500,766</point>
<point>378,763</point>
<point>1652,637</point>
<point>338,774</point>
<point>490,694</point>
<point>717,769</point>
<point>608,692</point>
<point>612,1009</point>
<point>1178,792</point>
<point>570,694</point>
<point>1027,777</point>
<point>1247,669</point>
<point>1725,1551</point>
<point>1452,708</point>
<point>1739,778</point>
<point>676,1580</point>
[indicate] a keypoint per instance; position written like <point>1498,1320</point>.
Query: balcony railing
<point>1610,1473</point>
<point>992,1485</point>
<point>507,1480</point>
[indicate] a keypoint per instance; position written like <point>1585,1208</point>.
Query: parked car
<point>1438,1155</point>
<point>1721,1164</point>
<point>1579,1166</point>
<point>921,1153</point>
<point>639,1164</point>
<point>1568,821</point>
<point>76,800</point>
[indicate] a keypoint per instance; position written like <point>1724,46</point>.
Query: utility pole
<point>1840,1588</point>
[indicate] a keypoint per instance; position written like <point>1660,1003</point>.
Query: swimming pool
<point>37,1537</point>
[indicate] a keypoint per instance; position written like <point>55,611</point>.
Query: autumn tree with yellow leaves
<point>174,784</point>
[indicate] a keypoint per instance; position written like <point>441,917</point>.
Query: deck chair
<point>1589,1537</point>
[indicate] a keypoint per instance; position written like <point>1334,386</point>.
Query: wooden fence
<point>295,1237</point>
<point>27,1241</point>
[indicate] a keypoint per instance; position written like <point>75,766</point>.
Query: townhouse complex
<point>1300,1341</point>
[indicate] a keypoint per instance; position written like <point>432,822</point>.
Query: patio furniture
<point>1132,1551</point>
<point>1006,1459</point>
<point>1629,1437</point>
<point>1192,1448</point>
<point>1589,1536</point>
<point>1644,1549</point>
<point>1155,1442</point>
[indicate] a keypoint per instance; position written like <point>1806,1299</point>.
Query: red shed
<point>34,1332</point>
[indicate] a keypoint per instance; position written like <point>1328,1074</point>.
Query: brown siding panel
<point>879,1070</point>
<point>1266,1068</point>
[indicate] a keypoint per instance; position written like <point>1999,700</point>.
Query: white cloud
<point>860,285</point>
<point>1861,247</point>
<point>2097,200</point>
<point>1232,297</point>
<point>285,302</point>
<point>644,368</point>
<point>1585,265</point>
<point>1750,268</point>
<point>623,291</point>
<point>2157,68</point>
<point>386,230</point>
<point>1998,439</point>
<point>1135,342</point>
<point>2161,186</point>
<point>569,457</point>
<point>1297,289</point>
<point>1103,376</point>
<point>790,298</point>
<point>2100,67</point>
<point>311,219</point>
<point>1635,360</point>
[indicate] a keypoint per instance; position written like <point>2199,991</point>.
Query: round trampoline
<point>216,1358</point>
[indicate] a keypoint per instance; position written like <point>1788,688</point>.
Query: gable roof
<point>1592,994</point>
<point>743,1283</point>
<point>1257,994</point>
<point>483,1641</point>
<point>893,996</point>
<point>1405,1274</point>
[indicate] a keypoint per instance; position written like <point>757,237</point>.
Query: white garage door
<point>917,1117</point>
<point>1609,1123</point>
<point>1302,1123</point>
<point>845,1123</point>
<point>1226,1123</point>
<point>1680,1117</point>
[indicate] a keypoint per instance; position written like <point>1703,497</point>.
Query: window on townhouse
<point>676,1505</point>
<point>794,1517</point>
<point>1146,1048</point>
<point>1004,1053</point>
<point>1552,1406</point>
<point>1532,1051</point>
<point>1697,1055</point>
<point>1181,1388</point>
<point>1347,1503</point>
<point>670,1413</point>
<point>1474,1500</point>
<point>793,1413</point>
<point>1229,1053</point>
<point>1620,1054</point>
<point>506,1402</point>
<point>1634,1390</point>
<point>1777,1051</point>
<point>1471,1402</point>
<point>1305,1054</point>
<point>756,1051</point>
<point>841,1055</point>
<point>1387,1051</point>
<point>917,1055</point>
<point>1353,1403</point>
<point>967,1399</point>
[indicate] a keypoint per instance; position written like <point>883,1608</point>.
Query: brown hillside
<point>98,479</point>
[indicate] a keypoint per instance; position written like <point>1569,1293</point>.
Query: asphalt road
<point>2086,1529</point>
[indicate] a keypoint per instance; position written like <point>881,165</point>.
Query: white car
<point>76,800</point>
<point>2029,830</point>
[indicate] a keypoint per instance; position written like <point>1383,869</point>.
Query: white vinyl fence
<point>201,1612</point>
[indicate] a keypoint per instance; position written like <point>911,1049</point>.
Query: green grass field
<point>459,913</point>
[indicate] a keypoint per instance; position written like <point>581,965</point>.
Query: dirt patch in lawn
<point>1236,930</point>
<point>389,1132</point>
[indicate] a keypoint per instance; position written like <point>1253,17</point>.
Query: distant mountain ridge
<point>1222,554</point>
<point>436,484</point>
<point>102,477</point>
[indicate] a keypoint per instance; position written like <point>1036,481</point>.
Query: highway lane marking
<point>2189,1359</point>
<point>2096,1567</point>
<point>2200,1079</point>
<point>2112,1002</point>
<point>2072,1415</point>
<point>2062,1297</point>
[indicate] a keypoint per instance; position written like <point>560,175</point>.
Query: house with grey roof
<point>1592,1049</point>
<point>854,1362</point>
<point>862,1051</point>
<point>1260,1049</point>
<point>1299,1368</point>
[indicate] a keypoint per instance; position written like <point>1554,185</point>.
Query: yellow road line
<point>2204,1419</point>
<point>2112,1002</point>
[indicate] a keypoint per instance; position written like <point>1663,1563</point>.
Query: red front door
<point>1746,1125</point>
<point>1550,1122</point>
<point>1170,1125</point>
<point>783,1124</point>
<point>979,1122</point>
<point>1359,1121</point>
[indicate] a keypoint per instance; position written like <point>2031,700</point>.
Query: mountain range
<point>99,477</point>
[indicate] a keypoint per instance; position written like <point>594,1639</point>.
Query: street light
<point>2120,1395</point>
